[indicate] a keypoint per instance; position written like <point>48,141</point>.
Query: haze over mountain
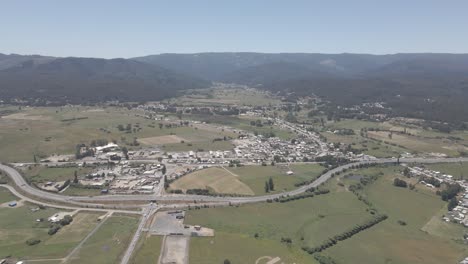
<point>420,85</point>
<point>222,66</point>
<point>81,80</point>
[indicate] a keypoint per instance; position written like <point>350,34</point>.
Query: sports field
<point>247,180</point>
<point>216,179</point>
<point>255,176</point>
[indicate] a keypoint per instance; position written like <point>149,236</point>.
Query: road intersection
<point>147,205</point>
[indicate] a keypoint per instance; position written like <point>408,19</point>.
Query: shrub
<point>400,183</point>
<point>32,242</point>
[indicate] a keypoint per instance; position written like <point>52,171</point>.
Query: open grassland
<point>243,123</point>
<point>6,196</point>
<point>241,248</point>
<point>82,224</point>
<point>354,124</point>
<point>446,230</point>
<point>307,222</point>
<point>419,144</point>
<point>230,96</point>
<point>38,173</point>
<point>148,250</point>
<point>46,131</point>
<point>457,170</point>
<point>366,146</point>
<point>390,242</point>
<point>215,179</point>
<point>109,243</point>
<point>19,224</point>
<point>412,138</point>
<point>255,176</point>
<point>77,191</point>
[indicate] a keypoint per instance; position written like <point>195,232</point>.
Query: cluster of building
<point>142,178</point>
<point>459,214</point>
<point>259,149</point>
<point>125,178</point>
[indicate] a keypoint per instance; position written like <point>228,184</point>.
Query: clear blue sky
<point>112,28</point>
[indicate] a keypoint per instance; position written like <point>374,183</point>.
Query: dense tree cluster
<point>452,203</point>
<point>332,160</point>
<point>55,227</point>
<point>431,180</point>
<point>450,191</point>
<point>198,191</point>
<point>400,183</point>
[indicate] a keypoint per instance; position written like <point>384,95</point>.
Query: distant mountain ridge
<point>433,86</point>
<point>223,66</point>
<point>428,85</point>
<point>81,80</point>
<point>215,66</point>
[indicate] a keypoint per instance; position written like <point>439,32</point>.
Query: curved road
<point>84,201</point>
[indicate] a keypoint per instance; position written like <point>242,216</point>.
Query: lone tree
<point>267,187</point>
<point>452,203</point>
<point>406,172</point>
<point>125,152</point>
<point>271,184</point>
<point>227,261</point>
<point>75,177</point>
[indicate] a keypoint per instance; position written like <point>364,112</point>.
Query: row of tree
<point>345,235</point>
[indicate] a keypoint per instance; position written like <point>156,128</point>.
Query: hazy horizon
<point>246,52</point>
<point>114,29</point>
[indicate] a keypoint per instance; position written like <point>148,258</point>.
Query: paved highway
<point>147,214</point>
<point>98,201</point>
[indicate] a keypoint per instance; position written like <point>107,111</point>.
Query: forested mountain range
<point>428,85</point>
<point>88,80</point>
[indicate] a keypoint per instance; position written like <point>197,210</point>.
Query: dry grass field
<point>216,179</point>
<point>419,144</point>
<point>160,140</point>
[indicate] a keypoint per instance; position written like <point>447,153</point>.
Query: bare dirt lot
<point>175,250</point>
<point>160,140</point>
